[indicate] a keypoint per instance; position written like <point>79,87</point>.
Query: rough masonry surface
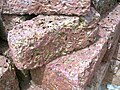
<point>38,41</point>
<point>67,7</point>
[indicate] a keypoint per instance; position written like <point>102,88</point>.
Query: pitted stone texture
<point>44,38</point>
<point>67,7</point>
<point>8,79</point>
<point>15,6</point>
<point>103,67</point>
<point>74,71</point>
<point>9,21</point>
<point>69,72</point>
<point>103,6</point>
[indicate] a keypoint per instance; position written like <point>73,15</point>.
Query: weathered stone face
<point>9,21</point>
<point>44,38</point>
<point>104,6</point>
<point>106,63</point>
<point>98,76</point>
<point>67,7</point>
<point>8,79</point>
<point>71,71</point>
<point>113,74</point>
<point>75,70</point>
<point>61,48</point>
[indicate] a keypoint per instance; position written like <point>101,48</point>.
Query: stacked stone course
<point>57,44</point>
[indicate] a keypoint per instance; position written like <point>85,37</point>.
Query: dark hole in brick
<point>50,21</point>
<point>43,27</point>
<point>24,78</point>
<point>49,2</point>
<point>28,17</point>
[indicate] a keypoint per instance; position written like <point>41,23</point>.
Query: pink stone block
<point>9,21</point>
<point>67,7</point>
<point>104,6</point>
<point>74,71</point>
<point>70,71</point>
<point>99,75</point>
<point>36,42</point>
<point>8,79</point>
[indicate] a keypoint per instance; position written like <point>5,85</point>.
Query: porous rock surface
<point>40,40</point>
<point>104,6</point>
<point>9,21</point>
<point>113,74</point>
<point>74,71</point>
<point>62,48</point>
<point>67,7</point>
<point>8,80</point>
<point>100,73</point>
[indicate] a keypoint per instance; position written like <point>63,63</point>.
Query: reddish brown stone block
<point>99,75</point>
<point>103,67</point>
<point>44,38</point>
<point>113,73</point>
<point>104,6</point>
<point>9,21</point>
<point>8,79</point>
<point>69,7</point>
<point>74,71</point>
